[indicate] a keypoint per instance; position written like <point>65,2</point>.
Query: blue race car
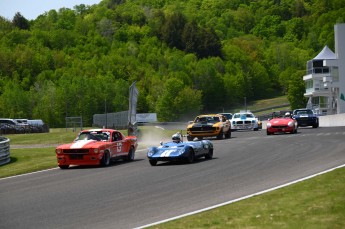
<point>179,150</point>
<point>305,117</point>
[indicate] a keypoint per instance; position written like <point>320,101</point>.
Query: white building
<point>325,79</point>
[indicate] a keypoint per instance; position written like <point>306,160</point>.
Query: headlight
<point>269,125</point>
<point>181,151</point>
<point>58,151</point>
<point>290,124</point>
<point>150,153</point>
<point>95,151</point>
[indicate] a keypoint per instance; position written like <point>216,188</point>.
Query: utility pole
<point>245,103</point>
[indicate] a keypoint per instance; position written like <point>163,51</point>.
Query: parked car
<point>178,150</point>
<point>281,124</point>
<point>306,117</point>
<point>96,147</point>
<point>12,126</point>
<point>209,125</point>
<point>244,120</point>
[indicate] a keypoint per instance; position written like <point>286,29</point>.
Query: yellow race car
<point>209,125</point>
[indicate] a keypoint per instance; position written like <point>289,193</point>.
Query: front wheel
<point>64,166</point>
<point>209,154</point>
<point>131,154</point>
<point>191,156</point>
<point>105,159</point>
<point>220,135</point>
<point>189,138</point>
<point>228,134</point>
<point>153,162</point>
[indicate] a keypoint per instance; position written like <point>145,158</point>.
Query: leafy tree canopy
<point>186,56</point>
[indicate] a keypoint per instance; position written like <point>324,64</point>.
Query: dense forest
<point>186,57</point>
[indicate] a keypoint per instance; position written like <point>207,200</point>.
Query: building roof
<point>325,54</point>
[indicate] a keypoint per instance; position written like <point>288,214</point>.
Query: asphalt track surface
<point>129,195</point>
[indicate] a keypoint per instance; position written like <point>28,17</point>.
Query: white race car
<point>244,120</point>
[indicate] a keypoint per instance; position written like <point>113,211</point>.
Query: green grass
<point>318,203</point>
<point>28,160</point>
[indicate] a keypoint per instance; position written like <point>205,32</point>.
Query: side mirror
<point>161,143</point>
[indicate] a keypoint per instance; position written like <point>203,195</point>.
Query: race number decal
<point>119,147</point>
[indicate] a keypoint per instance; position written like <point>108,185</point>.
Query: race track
<point>128,195</point>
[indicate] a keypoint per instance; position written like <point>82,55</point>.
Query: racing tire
<point>268,133</point>
<point>220,135</point>
<point>153,162</point>
<point>191,156</point>
<point>189,138</point>
<point>131,155</point>
<point>228,134</point>
<point>64,166</point>
<point>256,129</point>
<point>316,125</point>
<point>105,161</point>
<point>209,155</point>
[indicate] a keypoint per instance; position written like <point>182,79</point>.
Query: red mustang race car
<point>281,124</point>
<point>96,147</point>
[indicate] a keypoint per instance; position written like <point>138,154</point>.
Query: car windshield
<point>94,135</point>
<point>228,116</point>
<point>305,112</point>
<point>243,116</point>
<point>207,119</point>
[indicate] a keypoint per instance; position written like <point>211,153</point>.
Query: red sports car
<point>96,147</point>
<point>281,124</point>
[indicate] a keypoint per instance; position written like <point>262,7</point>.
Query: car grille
<point>280,127</point>
<point>203,129</point>
<point>76,151</point>
<point>243,122</point>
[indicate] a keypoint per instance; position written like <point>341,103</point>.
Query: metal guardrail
<point>4,150</point>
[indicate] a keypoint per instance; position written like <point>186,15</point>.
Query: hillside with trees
<point>187,57</point>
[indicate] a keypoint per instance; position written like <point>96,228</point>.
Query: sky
<point>31,9</point>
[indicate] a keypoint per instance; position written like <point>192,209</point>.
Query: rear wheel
<point>105,159</point>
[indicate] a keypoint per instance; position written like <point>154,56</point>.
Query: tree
<point>296,91</point>
<point>172,29</point>
<point>177,101</point>
<point>20,22</point>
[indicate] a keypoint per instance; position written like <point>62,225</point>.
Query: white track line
<point>241,198</point>
<point>26,174</point>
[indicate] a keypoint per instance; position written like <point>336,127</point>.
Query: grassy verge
<point>28,160</point>
<point>315,203</point>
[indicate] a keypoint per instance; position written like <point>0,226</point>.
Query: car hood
<point>82,144</point>
<point>280,121</point>
<point>203,124</point>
